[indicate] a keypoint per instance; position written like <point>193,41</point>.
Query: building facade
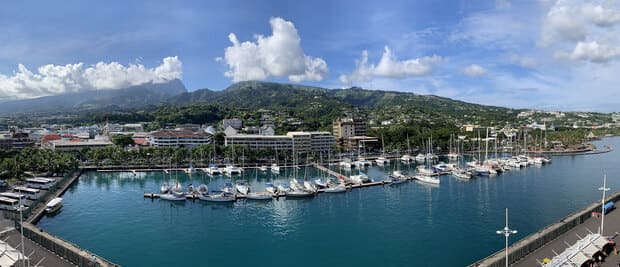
<point>178,138</point>
<point>292,141</point>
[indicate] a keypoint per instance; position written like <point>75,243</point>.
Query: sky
<point>543,54</point>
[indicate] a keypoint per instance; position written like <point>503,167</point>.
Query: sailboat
<point>382,160</point>
<point>452,155</point>
<point>425,173</point>
<point>175,192</point>
<point>457,171</point>
<point>407,158</point>
<point>242,187</point>
<point>213,170</point>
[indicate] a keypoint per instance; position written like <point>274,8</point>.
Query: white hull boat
<point>427,179</point>
<point>259,196</point>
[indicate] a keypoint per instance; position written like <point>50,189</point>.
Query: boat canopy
<point>54,202</point>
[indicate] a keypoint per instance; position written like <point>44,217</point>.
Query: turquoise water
<point>407,225</point>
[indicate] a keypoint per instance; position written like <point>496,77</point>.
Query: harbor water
<point>411,224</point>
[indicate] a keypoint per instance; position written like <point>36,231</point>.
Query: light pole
<point>604,189</point>
<point>506,232</point>
<point>21,225</point>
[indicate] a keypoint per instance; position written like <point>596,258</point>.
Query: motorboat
<point>259,196</point>
<point>263,168</point>
<point>54,205</point>
<point>427,179</point>
<point>420,157</point>
<point>242,187</point>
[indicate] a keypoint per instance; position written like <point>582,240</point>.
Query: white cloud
<point>278,55</point>
<point>57,79</point>
<point>390,67</point>
<point>474,70</point>
<point>593,52</point>
<point>576,20</point>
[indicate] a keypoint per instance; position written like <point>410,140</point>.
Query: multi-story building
<point>322,141</point>
<point>301,141</point>
<point>178,138</point>
<point>348,127</point>
<point>256,141</point>
<point>292,141</point>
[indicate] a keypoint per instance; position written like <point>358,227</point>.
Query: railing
<point>536,240</point>
<point>62,248</point>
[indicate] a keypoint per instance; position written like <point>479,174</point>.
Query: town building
<point>77,144</point>
<point>347,127</point>
<point>178,138</point>
<point>292,141</point>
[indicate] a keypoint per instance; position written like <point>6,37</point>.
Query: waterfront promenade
<point>612,228</point>
<point>555,238</point>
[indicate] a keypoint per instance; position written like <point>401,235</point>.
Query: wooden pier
<point>332,173</point>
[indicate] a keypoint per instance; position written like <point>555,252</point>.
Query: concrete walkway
<point>612,228</point>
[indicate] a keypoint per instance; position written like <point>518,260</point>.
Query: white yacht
<point>54,205</point>
<point>406,158</point>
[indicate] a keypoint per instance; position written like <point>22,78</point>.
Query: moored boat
<point>54,205</point>
<point>259,196</point>
<point>427,179</point>
<point>242,187</point>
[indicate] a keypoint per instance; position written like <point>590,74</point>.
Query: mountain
<point>131,97</point>
<point>255,94</point>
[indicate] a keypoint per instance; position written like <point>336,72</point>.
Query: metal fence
<point>62,248</point>
<point>536,240</point>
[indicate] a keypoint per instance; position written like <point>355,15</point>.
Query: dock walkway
<point>331,172</point>
<point>542,244</point>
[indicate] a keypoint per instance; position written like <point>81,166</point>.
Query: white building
<point>297,141</point>
<point>178,138</point>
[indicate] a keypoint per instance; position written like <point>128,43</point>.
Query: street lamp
<point>604,189</point>
<point>21,225</point>
<point>506,232</point>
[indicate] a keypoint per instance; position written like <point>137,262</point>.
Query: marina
<point>397,219</point>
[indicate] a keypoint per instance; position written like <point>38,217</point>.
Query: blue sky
<point>558,55</point>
